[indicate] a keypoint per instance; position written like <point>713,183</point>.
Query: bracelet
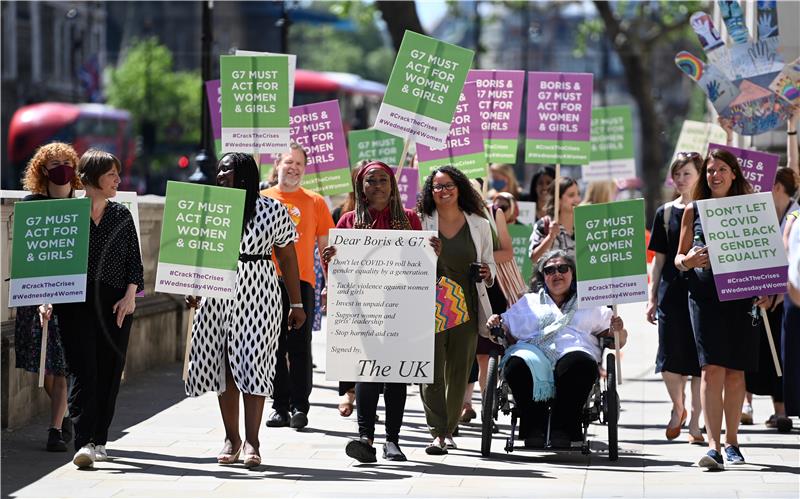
<point>792,132</point>
<point>681,266</point>
<point>295,305</point>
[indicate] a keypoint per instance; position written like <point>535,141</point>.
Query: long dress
<point>244,330</point>
<point>723,330</point>
<point>677,352</point>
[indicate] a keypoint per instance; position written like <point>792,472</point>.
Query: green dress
<point>456,256</point>
<point>454,348</point>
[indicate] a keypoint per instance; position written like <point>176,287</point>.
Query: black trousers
<point>394,396</point>
<point>575,375</point>
<point>95,349</point>
<point>293,368</point>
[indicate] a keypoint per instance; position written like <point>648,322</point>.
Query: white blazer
<point>482,239</point>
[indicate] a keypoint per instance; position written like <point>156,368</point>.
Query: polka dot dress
<point>244,330</point>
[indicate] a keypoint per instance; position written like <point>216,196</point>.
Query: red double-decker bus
<point>82,125</point>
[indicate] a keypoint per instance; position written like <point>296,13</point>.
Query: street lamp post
<point>205,158</point>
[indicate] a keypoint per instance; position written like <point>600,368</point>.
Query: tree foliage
<point>146,85</point>
<point>645,36</point>
<point>362,51</point>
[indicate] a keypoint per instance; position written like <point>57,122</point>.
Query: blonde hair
<point>507,171</point>
<point>600,191</point>
<point>35,180</point>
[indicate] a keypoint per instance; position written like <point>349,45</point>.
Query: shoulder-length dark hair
<point>547,171</point>
<point>564,183</point>
<point>739,186</point>
<point>245,176</point>
<point>469,201</point>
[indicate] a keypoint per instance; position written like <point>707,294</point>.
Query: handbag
<point>451,305</point>
<point>511,282</point>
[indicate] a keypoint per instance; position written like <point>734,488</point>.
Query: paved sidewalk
<point>165,445</point>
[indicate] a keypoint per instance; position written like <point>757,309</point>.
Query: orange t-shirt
<point>311,218</point>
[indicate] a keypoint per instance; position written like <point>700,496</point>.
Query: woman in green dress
<point>451,207</point>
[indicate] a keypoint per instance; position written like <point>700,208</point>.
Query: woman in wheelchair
<point>554,352</point>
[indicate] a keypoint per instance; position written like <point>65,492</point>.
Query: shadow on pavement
<point>24,458</point>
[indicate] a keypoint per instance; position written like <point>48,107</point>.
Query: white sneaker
<point>85,457</point>
<point>100,453</point>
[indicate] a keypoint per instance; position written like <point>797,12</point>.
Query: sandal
<point>251,459</point>
<point>227,457</point>
<point>346,404</point>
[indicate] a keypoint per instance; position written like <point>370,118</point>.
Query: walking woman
<point>95,332</point>
<point>377,206</point>
<point>451,206</point>
<point>677,355</point>
<point>726,340</point>
<point>546,236</point>
<point>234,342</point>
<point>50,174</point>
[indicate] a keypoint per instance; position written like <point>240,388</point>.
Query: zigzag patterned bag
<point>451,305</point>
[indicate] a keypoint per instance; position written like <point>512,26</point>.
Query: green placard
<point>612,154</point>
<point>423,89</point>
<point>374,145</point>
<point>255,103</point>
<point>520,241</point>
<point>200,238</point>
<point>472,165</point>
<point>610,253</point>
<point>49,251</point>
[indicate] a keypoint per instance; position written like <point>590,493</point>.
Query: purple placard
<point>465,135</point>
<point>408,185</point>
<point>559,106</point>
<point>499,96</point>
<point>318,128</point>
<point>759,168</point>
<point>214,107</point>
<point>751,283</point>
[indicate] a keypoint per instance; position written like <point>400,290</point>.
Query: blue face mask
<point>498,184</point>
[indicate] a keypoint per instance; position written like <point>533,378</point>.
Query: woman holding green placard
<point>234,342</point>
<point>726,340</point>
<point>50,174</point>
<point>466,265</point>
<point>95,332</point>
<point>677,354</point>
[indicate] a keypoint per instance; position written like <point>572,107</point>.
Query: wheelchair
<point>602,405</point>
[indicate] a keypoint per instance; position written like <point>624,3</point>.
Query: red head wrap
<point>372,165</point>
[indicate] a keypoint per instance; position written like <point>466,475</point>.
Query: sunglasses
<point>562,268</point>
<point>446,187</point>
<point>689,155</point>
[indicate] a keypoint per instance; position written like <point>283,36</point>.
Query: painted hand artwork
<point>746,82</point>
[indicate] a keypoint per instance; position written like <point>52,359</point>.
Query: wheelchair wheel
<point>612,407</point>
<point>487,407</point>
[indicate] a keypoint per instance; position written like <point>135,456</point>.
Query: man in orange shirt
<point>312,219</point>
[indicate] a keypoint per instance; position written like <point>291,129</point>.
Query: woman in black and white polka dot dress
<point>234,342</point>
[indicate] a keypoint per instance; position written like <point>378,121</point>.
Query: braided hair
<point>363,220</point>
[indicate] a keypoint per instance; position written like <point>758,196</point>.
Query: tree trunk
<point>635,58</point>
<point>640,85</point>
<point>399,17</point>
